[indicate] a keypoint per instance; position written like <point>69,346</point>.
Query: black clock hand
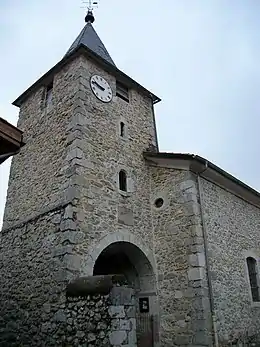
<point>99,86</point>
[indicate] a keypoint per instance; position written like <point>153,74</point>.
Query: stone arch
<point>125,258</point>
<point>120,236</point>
<point>139,270</point>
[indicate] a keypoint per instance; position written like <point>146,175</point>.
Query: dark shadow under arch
<point>127,259</point>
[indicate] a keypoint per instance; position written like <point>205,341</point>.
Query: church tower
<point>78,201</point>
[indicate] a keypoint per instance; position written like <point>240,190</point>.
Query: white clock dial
<point>101,88</point>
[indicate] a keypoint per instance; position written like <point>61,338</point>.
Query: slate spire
<point>89,38</point>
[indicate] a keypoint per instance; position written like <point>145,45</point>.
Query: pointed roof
<point>89,44</point>
<point>89,38</point>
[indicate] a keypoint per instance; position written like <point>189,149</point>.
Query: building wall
<point>70,163</point>
<point>101,154</point>
<point>179,251</point>
<point>39,173</point>
<point>32,280</point>
<point>232,227</point>
<point>37,245</point>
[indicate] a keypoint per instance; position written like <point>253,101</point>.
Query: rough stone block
<point>125,216</point>
<point>196,230</point>
<point>198,241</point>
<point>200,292</point>
<point>77,179</point>
<point>130,311</point>
<point>132,337</point>
<point>182,339</point>
<point>68,212</point>
<point>197,248</point>
<point>91,337</point>
<point>201,338</point>
<point>122,296</point>
<point>178,294</point>
<point>75,139</point>
<point>78,119</point>
<point>68,224</point>
<point>56,219</point>
<point>56,252</point>
<point>47,308</point>
<point>73,237</point>
<point>116,338</point>
<point>59,316</point>
<point>196,284</point>
<point>115,324</point>
<point>75,135</point>
<point>199,325</point>
<point>195,274</point>
<point>197,260</point>
<point>181,323</point>
<point>82,162</point>
<point>124,324</point>
<point>72,193</point>
<point>116,311</point>
<point>75,153</point>
<point>188,186</point>
<point>90,285</point>
<point>200,303</point>
<point>72,262</point>
<point>133,323</point>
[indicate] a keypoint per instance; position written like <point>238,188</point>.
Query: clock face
<point>101,88</point>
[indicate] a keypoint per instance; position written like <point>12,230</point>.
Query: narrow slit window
<point>122,129</point>
<point>122,91</point>
<point>252,272</point>
<point>48,99</point>
<point>122,181</point>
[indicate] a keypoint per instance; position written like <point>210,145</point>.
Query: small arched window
<point>253,277</point>
<point>122,129</point>
<point>48,99</point>
<point>123,181</point>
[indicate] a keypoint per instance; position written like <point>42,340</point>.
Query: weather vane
<point>90,4</point>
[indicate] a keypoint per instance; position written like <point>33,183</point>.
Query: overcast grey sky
<point>200,56</point>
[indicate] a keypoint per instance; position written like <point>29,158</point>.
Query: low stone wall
<point>96,320</point>
<point>97,311</point>
<point>87,321</point>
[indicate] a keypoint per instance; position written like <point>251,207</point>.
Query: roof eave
<point>207,170</point>
<point>82,49</point>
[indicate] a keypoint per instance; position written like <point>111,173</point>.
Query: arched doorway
<point>125,258</point>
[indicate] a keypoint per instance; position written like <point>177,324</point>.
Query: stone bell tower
<point>78,201</point>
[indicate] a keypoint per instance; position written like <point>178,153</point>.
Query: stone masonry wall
<point>40,173</point>
<point>179,249</point>
<point>101,153</point>
<point>70,165</point>
<point>86,322</point>
<point>32,280</point>
<point>232,227</point>
<point>122,312</point>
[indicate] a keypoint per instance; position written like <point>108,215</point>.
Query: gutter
<point>205,238</point>
<point>3,157</point>
<point>82,49</point>
<point>196,162</point>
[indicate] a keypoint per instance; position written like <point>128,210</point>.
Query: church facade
<point>91,195</point>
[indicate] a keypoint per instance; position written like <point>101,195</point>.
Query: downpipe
<point>211,298</point>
